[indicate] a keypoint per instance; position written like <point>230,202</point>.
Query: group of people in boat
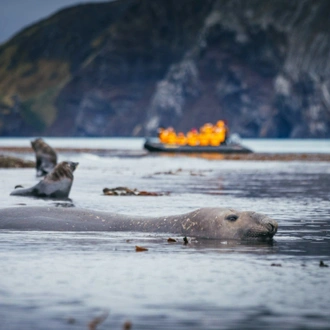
<point>206,135</point>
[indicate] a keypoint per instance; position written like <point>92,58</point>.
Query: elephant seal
<point>46,158</point>
<point>210,223</point>
<point>56,184</point>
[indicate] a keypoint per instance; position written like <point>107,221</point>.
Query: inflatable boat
<point>154,145</point>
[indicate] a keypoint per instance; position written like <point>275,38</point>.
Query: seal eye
<point>231,217</point>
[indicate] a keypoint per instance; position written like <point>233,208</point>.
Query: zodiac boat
<point>154,145</point>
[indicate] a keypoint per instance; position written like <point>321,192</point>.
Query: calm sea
<point>257,145</point>
<point>64,280</point>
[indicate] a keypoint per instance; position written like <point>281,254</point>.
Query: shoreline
<point>9,157</point>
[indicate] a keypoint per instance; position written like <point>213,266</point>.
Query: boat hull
<point>156,146</point>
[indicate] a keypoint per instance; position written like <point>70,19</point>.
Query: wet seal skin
<point>209,223</point>
<point>56,184</point>
<point>46,157</point>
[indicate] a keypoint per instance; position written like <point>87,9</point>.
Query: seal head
<point>225,223</point>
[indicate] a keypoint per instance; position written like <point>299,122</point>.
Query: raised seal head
<point>226,223</point>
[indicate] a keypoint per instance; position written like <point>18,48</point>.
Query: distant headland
<point>126,67</point>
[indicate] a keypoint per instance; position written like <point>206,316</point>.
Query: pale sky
<point>17,14</point>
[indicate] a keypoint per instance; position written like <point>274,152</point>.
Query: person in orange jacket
<point>171,138</point>
<point>205,133</point>
<point>162,134</point>
<point>192,137</point>
<point>181,139</point>
<point>219,133</point>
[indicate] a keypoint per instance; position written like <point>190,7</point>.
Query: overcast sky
<point>17,14</point>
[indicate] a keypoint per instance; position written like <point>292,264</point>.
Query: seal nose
<point>272,226</point>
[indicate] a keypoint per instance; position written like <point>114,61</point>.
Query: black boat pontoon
<point>155,146</point>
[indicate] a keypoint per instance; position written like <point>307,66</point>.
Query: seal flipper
<point>24,192</point>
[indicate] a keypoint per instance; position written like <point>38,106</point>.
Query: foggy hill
<point>126,67</point>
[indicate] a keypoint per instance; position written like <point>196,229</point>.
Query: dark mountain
<point>124,68</point>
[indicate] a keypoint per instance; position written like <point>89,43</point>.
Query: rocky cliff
<point>124,68</point>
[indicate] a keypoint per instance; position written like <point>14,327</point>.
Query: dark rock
<point>14,162</point>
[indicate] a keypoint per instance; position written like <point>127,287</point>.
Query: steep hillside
<point>123,68</point>
<point>38,62</point>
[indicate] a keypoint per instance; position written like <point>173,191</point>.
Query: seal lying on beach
<point>211,223</point>
<point>56,184</point>
<point>46,158</point>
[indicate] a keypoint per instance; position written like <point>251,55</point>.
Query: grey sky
<point>17,14</point>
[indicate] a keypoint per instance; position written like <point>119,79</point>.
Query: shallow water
<point>63,280</point>
<point>136,144</point>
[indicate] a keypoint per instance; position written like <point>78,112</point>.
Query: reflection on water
<point>64,280</point>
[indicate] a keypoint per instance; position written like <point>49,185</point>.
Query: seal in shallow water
<point>46,158</point>
<point>212,223</point>
<point>56,184</point>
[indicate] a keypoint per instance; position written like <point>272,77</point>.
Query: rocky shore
<point>14,162</point>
